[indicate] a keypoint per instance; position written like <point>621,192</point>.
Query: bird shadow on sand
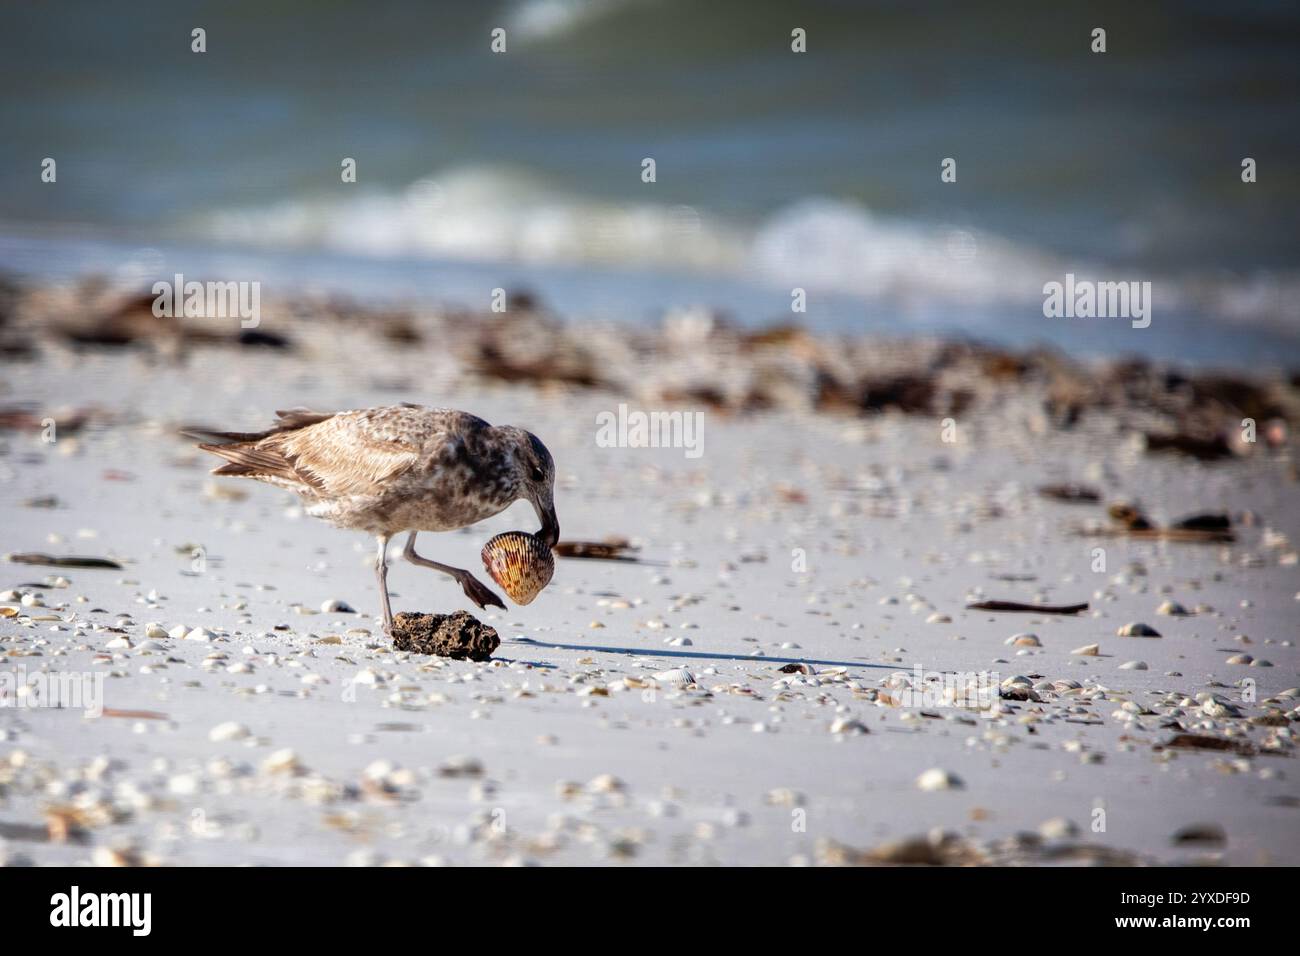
<point>691,655</point>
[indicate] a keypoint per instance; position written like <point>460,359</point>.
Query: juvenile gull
<point>398,468</point>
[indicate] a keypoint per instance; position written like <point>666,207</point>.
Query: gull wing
<point>350,453</point>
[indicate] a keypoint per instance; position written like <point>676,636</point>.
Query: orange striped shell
<point>521,563</point>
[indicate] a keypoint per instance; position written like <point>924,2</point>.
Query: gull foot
<point>481,595</point>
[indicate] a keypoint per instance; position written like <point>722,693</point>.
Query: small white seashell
<point>678,676</point>
<point>230,730</point>
<point>1058,828</point>
<point>1088,650</point>
<point>178,632</point>
<point>785,797</point>
<point>1133,666</point>
<point>1219,709</point>
<point>282,761</point>
<point>1024,640</point>
<point>606,783</point>
<point>1137,629</point>
<point>155,630</point>
<point>844,725</point>
<point>199,634</point>
<point>937,778</point>
<point>1172,609</point>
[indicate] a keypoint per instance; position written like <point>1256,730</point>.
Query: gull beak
<point>550,532</point>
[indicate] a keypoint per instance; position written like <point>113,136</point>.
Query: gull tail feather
<point>289,420</point>
<point>245,458</point>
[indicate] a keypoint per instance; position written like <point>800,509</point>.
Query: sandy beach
<point>745,691</point>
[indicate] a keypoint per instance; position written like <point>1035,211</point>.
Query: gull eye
<point>538,474</point>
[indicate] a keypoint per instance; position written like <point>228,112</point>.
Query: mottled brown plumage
<point>397,468</point>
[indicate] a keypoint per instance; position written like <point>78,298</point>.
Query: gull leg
<point>481,595</point>
<point>381,572</point>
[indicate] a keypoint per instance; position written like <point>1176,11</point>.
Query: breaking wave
<point>499,214</point>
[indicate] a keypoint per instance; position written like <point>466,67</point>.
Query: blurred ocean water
<point>774,169</point>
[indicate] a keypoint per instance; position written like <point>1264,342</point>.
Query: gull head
<point>535,469</point>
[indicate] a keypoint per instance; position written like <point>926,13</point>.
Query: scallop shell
<point>521,563</point>
<point>678,676</point>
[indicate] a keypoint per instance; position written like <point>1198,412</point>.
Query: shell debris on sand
<point>520,562</point>
<point>741,728</point>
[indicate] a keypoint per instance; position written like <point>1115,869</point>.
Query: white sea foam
<point>498,214</point>
<point>548,19</point>
<point>844,247</point>
<point>490,214</point>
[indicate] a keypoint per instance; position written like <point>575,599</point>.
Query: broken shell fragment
<point>797,668</point>
<point>520,562</point>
